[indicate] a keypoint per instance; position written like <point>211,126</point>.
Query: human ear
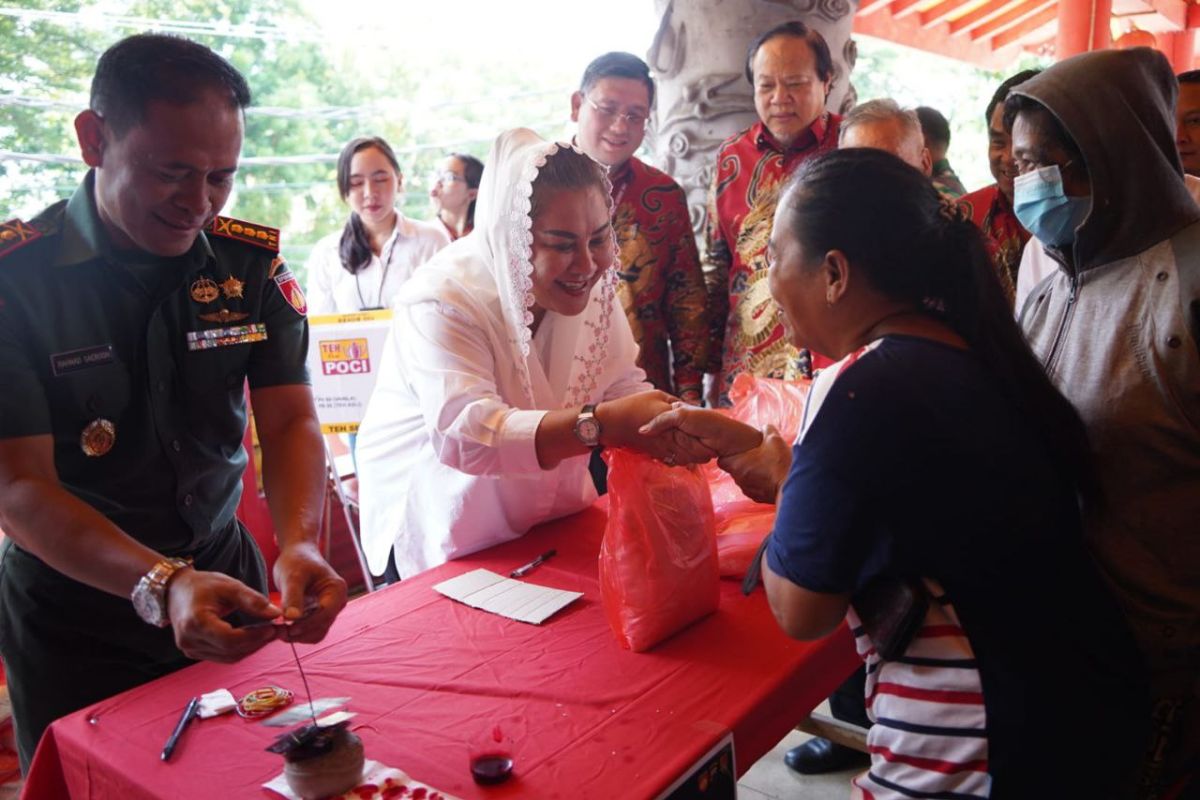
<point>89,130</point>
<point>835,269</point>
<point>576,104</point>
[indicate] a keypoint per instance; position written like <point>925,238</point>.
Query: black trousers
<point>848,701</point>
<point>66,645</point>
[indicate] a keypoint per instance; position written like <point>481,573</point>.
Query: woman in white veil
<point>509,361</point>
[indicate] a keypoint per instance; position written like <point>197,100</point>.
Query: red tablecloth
<point>431,679</point>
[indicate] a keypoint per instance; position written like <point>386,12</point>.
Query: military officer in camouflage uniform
<point>131,316</point>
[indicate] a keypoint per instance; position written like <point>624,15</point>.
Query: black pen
<point>521,572</point>
<point>189,714</point>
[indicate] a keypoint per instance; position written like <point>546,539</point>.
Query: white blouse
<point>447,463</point>
<point>333,290</point>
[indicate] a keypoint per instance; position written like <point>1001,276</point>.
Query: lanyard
<point>385,258</point>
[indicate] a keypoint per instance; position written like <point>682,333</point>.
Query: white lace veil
<point>493,263</point>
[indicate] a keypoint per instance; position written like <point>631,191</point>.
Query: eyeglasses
<point>610,114</point>
<point>1025,166</point>
<point>445,178</point>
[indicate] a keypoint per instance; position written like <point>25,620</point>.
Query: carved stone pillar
<point>699,56</point>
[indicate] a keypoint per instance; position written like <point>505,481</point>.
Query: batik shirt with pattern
<point>747,333</point>
<point>991,211</point>
<point>661,287</point>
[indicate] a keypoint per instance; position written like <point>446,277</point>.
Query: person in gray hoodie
<point>1118,328</point>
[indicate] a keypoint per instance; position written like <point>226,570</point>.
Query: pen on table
<point>521,572</point>
<point>189,714</point>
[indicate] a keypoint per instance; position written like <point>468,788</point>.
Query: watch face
<point>588,431</point>
<point>147,605</point>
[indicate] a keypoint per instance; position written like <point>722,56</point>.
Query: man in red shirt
<point>991,207</point>
<point>662,287</point>
<point>791,70</point>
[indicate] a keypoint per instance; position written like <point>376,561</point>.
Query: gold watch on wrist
<point>149,596</point>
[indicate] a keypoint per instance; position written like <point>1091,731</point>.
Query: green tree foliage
<point>52,60</point>
<point>50,63</point>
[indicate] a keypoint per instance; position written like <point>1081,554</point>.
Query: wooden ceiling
<point>993,33</point>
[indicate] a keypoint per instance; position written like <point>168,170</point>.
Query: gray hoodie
<point>1115,327</point>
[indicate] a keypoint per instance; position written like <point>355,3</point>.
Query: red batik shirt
<point>993,214</point>
<point>746,324</point>
<point>662,287</point>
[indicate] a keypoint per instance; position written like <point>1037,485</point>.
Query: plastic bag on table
<point>658,560</point>
<point>742,523</point>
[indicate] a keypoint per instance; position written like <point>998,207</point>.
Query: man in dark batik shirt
<point>991,207</point>
<point>662,287</point>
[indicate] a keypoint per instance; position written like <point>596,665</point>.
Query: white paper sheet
<point>524,602</point>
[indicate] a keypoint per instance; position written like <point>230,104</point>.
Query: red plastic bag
<point>658,561</point>
<point>742,524</point>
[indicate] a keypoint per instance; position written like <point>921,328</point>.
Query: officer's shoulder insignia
<point>248,232</point>
<point>15,234</point>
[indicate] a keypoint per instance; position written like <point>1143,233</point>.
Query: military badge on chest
<point>206,291</point>
<point>98,437</point>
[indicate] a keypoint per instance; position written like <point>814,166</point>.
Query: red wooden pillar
<point>1083,25</point>
<point>1179,48</point>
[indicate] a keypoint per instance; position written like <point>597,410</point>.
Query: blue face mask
<point>1045,210</point>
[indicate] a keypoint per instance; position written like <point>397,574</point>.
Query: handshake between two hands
<point>677,433</point>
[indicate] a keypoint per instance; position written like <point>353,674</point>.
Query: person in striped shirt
<point>1022,679</point>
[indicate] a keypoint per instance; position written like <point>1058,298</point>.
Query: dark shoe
<point>818,756</point>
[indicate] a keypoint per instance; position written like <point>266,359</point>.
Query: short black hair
<point>1191,76</point>
<point>617,65</point>
<point>934,126</point>
<point>153,66</point>
<point>1001,93</point>
<point>1019,103</point>
<point>797,30</point>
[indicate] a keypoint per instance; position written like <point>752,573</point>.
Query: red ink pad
<point>490,769</point>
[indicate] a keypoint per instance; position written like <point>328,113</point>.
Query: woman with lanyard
<point>362,266</point>
<point>453,188</point>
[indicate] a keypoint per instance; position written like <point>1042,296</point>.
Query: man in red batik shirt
<point>662,287</point>
<point>792,71</point>
<point>991,207</point>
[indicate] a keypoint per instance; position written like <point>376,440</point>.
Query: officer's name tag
<point>83,358</point>
<point>224,337</point>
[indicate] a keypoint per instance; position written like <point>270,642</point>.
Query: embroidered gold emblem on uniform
<point>204,290</point>
<point>98,437</point>
<point>224,315</point>
<point>247,232</point>
<point>15,233</point>
<point>232,287</point>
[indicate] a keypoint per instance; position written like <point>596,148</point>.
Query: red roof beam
<point>932,16</point>
<point>980,15</point>
<point>871,6</point>
<point>1021,29</point>
<point>1010,18</point>
<point>902,8</point>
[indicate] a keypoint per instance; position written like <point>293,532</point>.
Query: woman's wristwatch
<point>587,427</point>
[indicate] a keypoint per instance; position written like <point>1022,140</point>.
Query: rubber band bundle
<point>264,701</point>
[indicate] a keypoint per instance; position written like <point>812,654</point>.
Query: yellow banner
<point>340,427</point>
<point>357,316</point>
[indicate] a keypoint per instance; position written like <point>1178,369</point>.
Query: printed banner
<point>344,351</point>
